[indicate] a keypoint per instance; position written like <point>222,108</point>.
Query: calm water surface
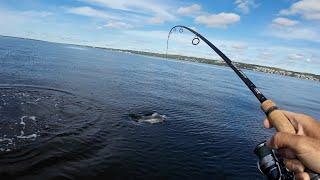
<point>64,114</point>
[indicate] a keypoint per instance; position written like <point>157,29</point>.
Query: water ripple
<point>38,123</point>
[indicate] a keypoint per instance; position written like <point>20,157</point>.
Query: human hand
<point>302,149</point>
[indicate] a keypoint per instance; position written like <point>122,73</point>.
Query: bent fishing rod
<point>276,117</point>
<point>269,163</point>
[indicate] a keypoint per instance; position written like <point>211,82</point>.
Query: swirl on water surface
<point>30,114</point>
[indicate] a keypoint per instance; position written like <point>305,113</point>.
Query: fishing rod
<point>277,118</point>
<point>271,165</point>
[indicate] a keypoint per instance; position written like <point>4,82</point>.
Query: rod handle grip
<point>282,124</point>
<point>278,120</point>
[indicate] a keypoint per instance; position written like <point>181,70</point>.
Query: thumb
<point>284,140</point>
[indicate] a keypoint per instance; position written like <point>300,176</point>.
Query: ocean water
<point>64,114</point>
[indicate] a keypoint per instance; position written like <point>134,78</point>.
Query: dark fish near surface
<point>151,118</point>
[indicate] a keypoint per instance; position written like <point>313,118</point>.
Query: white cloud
<point>211,20</point>
<point>308,9</point>
<point>148,34</point>
<point>239,47</point>
<point>91,12</point>
<point>118,25</point>
<point>23,18</point>
<point>31,15</point>
<point>237,50</point>
<point>295,33</point>
<point>37,25</point>
<point>156,20</point>
<point>41,14</point>
<point>296,56</point>
<point>145,7</point>
<point>245,5</point>
<point>284,22</point>
<point>265,55</point>
<point>116,4</point>
<point>218,20</point>
<point>162,35</point>
<point>189,9</point>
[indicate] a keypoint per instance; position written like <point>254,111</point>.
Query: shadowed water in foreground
<point>74,112</point>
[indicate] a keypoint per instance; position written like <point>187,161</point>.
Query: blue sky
<point>280,33</point>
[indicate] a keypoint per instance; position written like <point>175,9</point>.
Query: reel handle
<point>277,118</point>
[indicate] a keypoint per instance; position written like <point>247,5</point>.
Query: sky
<point>278,33</point>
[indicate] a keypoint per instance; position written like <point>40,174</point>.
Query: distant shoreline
<point>251,67</point>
